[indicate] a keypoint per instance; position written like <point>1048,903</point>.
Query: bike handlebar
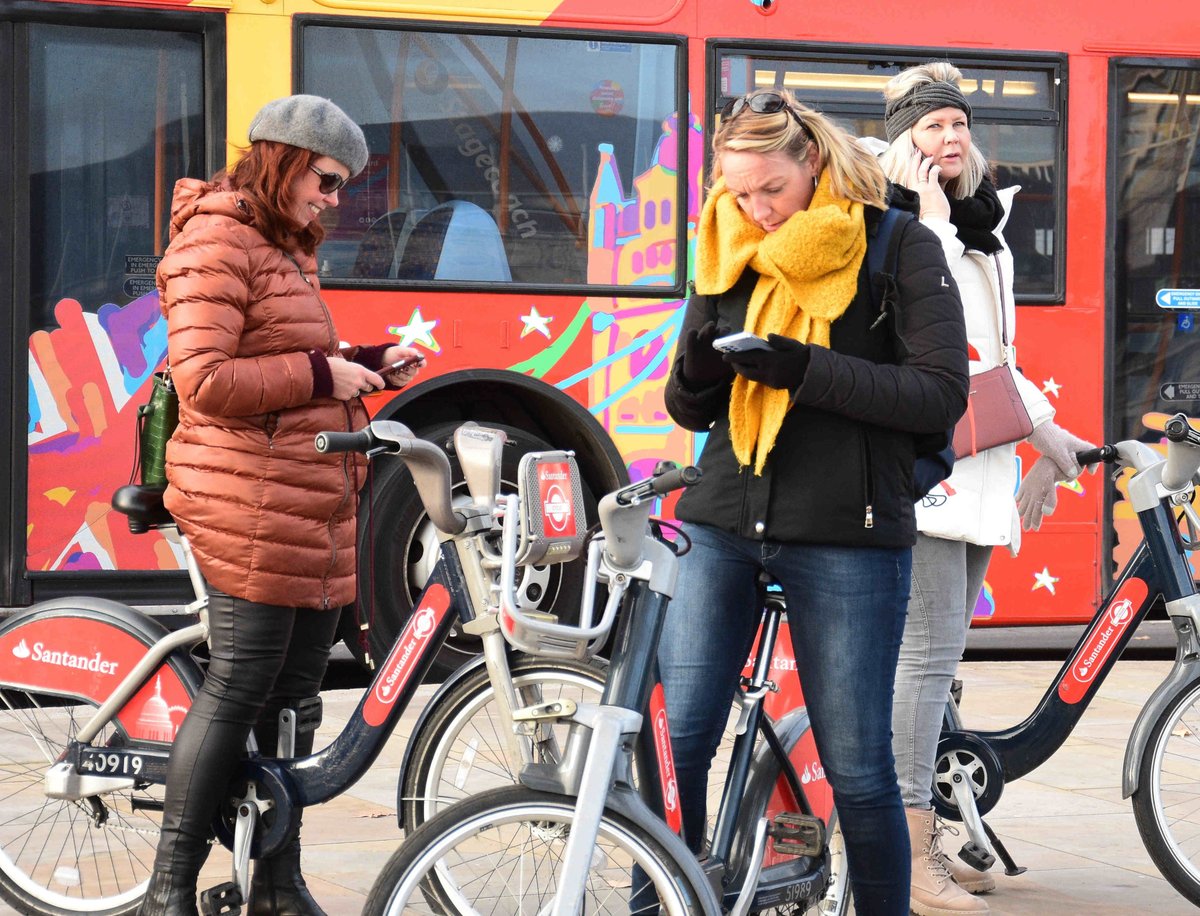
<point>1106,454</point>
<point>666,482</point>
<point>1183,452</point>
<point>428,464</point>
<point>360,441</point>
<point>624,513</point>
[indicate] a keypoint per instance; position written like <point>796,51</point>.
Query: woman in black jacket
<point>809,457</point>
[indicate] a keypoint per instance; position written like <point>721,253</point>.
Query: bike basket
<point>552,510</point>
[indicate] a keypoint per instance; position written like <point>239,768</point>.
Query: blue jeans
<point>846,608</point>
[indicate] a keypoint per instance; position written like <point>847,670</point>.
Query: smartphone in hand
<point>740,342</point>
<point>406,362</point>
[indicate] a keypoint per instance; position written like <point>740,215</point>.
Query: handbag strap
<point>1003,310</point>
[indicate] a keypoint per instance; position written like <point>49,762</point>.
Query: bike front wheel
<point>1164,804</point>
<point>63,857</point>
<point>460,747</point>
<point>502,852</point>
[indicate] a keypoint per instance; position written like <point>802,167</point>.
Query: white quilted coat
<point>977,503</point>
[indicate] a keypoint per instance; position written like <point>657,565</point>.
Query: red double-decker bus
<point>526,218</point>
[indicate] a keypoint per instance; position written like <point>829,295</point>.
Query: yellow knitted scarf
<point>808,276</point>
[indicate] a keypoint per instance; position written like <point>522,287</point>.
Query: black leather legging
<point>262,658</point>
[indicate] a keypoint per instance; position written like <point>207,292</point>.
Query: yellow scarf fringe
<point>808,276</point>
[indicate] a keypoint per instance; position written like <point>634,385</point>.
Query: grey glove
<point>1037,496</point>
<point>1059,446</point>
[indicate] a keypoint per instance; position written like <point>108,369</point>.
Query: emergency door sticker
<point>85,658</point>
<point>666,762</point>
<point>554,487</point>
<point>410,648</point>
<point>1094,653</point>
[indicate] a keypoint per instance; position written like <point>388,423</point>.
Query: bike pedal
<point>797,834</point>
<point>976,856</point>
<point>223,900</point>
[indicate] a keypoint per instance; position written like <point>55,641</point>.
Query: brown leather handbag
<point>995,415</point>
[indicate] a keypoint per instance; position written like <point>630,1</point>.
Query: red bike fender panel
<point>412,645</point>
<point>77,657</point>
<point>1093,654</point>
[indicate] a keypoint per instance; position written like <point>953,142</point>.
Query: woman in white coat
<point>928,125</point>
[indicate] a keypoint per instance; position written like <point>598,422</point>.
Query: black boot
<point>168,895</point>
<point>278,888</point>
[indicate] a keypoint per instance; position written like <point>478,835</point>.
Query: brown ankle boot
<point>934,892</point>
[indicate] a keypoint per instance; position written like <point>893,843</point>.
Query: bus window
<point>1155,359</point>
<point>115,117</point>
<point>1018,114</point>
<point>488,144</point>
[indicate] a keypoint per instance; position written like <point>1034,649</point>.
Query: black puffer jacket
<point>841,471</point>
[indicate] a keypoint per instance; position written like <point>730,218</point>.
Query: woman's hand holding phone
<point>924,177</point>
<point>401,364</point>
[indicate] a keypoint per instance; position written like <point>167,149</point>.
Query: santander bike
<point>92,693</point>
<point>597,831</point>
<point>1162,758</point>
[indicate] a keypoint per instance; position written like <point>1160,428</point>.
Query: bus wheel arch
<point>396,542</point>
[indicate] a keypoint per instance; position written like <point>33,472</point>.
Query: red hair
<point>265,176</point>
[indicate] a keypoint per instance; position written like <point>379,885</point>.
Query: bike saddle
<point>143,506</point>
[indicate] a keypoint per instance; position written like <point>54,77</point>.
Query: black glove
<point>783,366</point>
<point>702,365</point>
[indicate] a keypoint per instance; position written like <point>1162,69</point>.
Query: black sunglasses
<point>330,181</point>
<point>767,101</point>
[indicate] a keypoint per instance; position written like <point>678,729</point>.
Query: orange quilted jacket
<point>269,518</point>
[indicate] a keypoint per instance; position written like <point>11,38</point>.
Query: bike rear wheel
<point>1164,804</point>
<point>63,857</point>
<point>460,748</point>
<point>501,852</point>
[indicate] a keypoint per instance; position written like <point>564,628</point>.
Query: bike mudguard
<point>626,802</point>
<point>1184,675</point>
<point>84,647</point>
<point>767,791</point>
<point>449,683</point>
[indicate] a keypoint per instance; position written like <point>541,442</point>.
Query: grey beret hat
<point>313,123</point>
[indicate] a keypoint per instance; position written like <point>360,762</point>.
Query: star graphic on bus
<point>1049,386</point>
<point>536,322</point>
<point>417,331</point>
<point>1044,580</point>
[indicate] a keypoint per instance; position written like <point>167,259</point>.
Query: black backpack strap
<point>883,253</point>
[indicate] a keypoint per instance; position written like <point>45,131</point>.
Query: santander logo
<point>554,488</point>
<point>410,648</point>
<point>666,760</point>
<point>1102,641</point>
<point>40,652</point>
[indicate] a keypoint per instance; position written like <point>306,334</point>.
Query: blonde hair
<point>854,174</point>
<point>899,154</point>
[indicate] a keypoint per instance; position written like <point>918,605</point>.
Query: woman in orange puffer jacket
<point>257,363</point>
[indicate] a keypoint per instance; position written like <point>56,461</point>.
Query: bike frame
<point>598,750</point>
<point>1157,567</point>
<point>281,785</point>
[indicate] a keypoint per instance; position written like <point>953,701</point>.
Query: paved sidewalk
<point>1066,821</point>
